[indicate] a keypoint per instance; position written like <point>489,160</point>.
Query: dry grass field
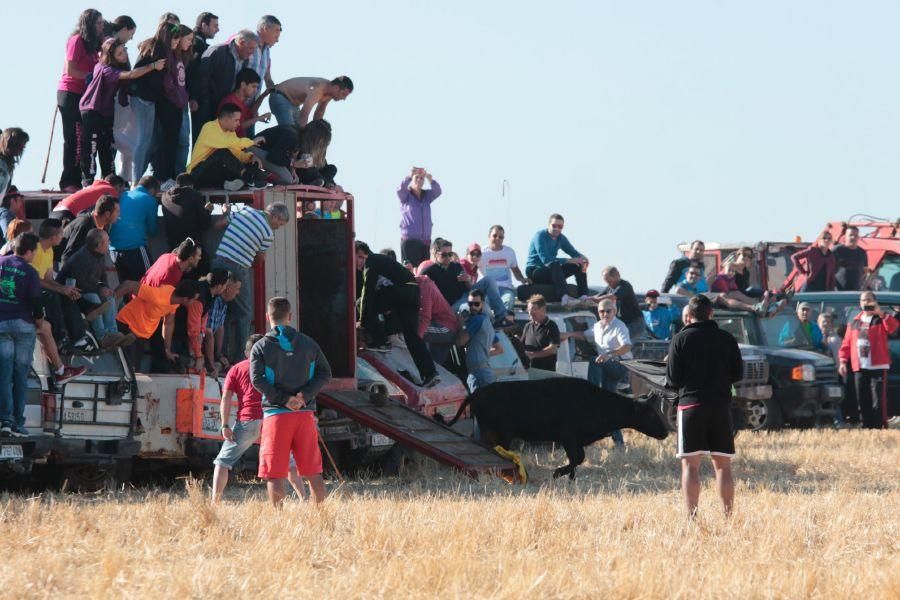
<point>817,516</point>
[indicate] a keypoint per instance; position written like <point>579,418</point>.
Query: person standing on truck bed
<point>249,234</point>
<point>21,311</point>
<point>544,267</point>
<point>186,214</point>
<point>815,265</point>
<point>415,215</point>
<point>136,224</point>
<point>104,215</point>
<point>679,267</point>
<point>851,262</point>
<point>170,268</point>
<point>389,286</point>
<point>289,369</point>
<point>86,198</point>
<point>704,361</point>
<point>865,351</point>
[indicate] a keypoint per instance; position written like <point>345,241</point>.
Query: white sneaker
<point>567,300</point>
<point>168,185</point>
<point>234,185</point>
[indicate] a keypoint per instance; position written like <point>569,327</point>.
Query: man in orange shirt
<point>150,309</point>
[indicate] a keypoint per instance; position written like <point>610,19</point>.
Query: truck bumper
<point>809,401</point>
<point>17,455</point>
<point>82,451</point>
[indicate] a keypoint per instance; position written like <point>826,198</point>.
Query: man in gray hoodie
<point>289,369</point>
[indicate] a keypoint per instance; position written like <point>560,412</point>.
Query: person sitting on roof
<point>293,99</point>
<point>187,215</point>
<point>678,269</point>
<point>86,198</point>
<point>499,262</point>
<point>815,266</point>
<point>219,159</point>
<point>543,266</point>
<point>622,292</point>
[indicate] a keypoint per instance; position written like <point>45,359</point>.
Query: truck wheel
<point>763,415</point>
<point>94,478</point>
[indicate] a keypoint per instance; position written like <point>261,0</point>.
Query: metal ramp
<point>415,430</point>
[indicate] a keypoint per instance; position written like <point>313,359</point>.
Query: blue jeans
<point>145,117</point>
<point>16,353</point>
<point>239,310</point>
<point>508,295</point>
<point>478,379</point>
<point>607,376</point>
<point>285,113</point>
<point>246,433</point>
<point>489,287</point>
<point>106,322</point>
<point>184,142</point>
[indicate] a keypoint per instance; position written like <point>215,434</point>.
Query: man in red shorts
<point>289,369</point>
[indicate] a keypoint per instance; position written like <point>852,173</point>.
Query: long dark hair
<point>108,52</point>
<point>186,55</point>
<point>160,44</point>
<point>12,145</point>
<point>87,29</point>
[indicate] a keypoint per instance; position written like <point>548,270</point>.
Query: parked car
<point>844,306</point>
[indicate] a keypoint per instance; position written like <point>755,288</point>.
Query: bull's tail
<point>462,408</point>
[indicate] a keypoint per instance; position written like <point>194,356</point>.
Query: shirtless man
<point>293,99</point>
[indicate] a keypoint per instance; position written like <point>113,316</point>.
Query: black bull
<point>571,412</point>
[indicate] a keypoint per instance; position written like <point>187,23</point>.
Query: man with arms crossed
<point>289,369</point>
<point>704,361</point>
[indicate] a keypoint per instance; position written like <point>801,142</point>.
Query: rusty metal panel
<point>417,431</point>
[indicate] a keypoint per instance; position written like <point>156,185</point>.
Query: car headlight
<point>803,373</point>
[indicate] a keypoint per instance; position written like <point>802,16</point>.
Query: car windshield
<point>784,330</point>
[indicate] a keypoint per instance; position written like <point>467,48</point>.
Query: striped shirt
<point>217,314</point>
<point>247,235</point>
<point>259,61</point>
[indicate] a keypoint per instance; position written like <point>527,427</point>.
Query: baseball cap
<point>652,294</point>
<point>803,305</point>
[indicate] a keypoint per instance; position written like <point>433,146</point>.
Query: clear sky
<point>644,123</point>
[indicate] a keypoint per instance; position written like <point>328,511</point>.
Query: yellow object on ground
<point>523,474</point>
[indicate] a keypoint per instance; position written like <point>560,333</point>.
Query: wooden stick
<point>331,460</point>
<point>50,143</point>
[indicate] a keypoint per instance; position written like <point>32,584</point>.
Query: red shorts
<point>285,433</point>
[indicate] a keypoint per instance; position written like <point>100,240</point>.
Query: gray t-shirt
<point>481,338</point>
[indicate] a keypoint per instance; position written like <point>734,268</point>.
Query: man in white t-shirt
<point>499,263</point>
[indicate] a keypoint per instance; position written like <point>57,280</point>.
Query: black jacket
<point>150,86</point>
<point>75,234</point>
<point>87,268</point>
<point>286,362</point>
<point>676,270</point>
<point>184,215</point>
<point>704,361</point>
<point>217,69</point>
<point>281,143</point>
<point>192,73</point>
<point>377,266</point>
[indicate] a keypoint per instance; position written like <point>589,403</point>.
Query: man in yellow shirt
<point>219,159</point>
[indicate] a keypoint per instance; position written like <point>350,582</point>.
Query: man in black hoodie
<point>289,369</point>
<point>704,361</point>
<point>186,214</point>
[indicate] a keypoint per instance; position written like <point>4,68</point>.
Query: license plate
<point>835,391</point>
<point>10,451</point>
<point>379,439</point>
<point>78,415</point>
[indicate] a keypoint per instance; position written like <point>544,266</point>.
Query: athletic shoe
<point>92,314</point>
<point>111,341</point>
<point>168,185</point>
<point>568,300</point>
<point>234,185</point>
<point>5,430</point>
<point>86,345</point>
<point>431,381</point>
<point>19,431</point>
<point>68,374</point>
<point>385,347</point>
<point>257,184</point>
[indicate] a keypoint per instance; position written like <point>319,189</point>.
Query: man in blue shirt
<point>543,266</point>
<point>137,222</point>
<point>659,318</point>
<point>481,343</point>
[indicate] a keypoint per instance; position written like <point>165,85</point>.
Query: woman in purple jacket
<point>816,264</point>
<point>97,107</point>
<point>415,215</point>
<point>170,108</point>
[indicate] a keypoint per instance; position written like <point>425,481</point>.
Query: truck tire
<point>94,478</point>
<point>763,415</point>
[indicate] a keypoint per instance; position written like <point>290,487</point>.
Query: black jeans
<point>96,140</point>
<point>169,117</point>
<point>71,125</point>
<point>134,353</point>
<point>219,167</point>
<point>53,313</point>
<point>871,392</point>
<point>414,251</point>
<point>132,264</point>
<point>403,302</point>
<point>556,274</point>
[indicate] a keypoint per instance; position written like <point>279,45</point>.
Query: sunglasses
<point>446,255</point>
<point>474,303</point>
<point>475,253</point>
<point>693,273</point>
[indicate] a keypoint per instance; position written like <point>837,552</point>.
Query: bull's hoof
<point>557,473</point>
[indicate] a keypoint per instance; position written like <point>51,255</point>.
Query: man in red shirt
<point>171,266</point>
<point>437,321</point>
<point>84,199</point>
<point>247,427</point>
<point>245,88</point>
<point>865,351</point>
